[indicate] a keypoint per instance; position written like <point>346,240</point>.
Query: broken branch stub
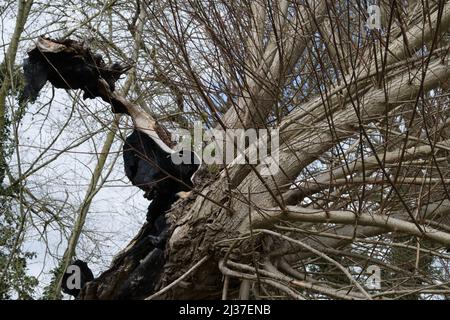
<point>68,64</point>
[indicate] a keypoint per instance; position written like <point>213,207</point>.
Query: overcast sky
<point>117,211</point>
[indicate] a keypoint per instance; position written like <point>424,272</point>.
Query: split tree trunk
<point>213,229</point>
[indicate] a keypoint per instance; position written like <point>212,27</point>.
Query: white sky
<point>117,211</point>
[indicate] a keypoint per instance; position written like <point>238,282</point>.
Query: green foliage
<point>49,290</point>
<point>6,143</point>
<point>18,78</point>
<point>14,281</point>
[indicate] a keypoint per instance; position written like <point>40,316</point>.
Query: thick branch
<point>299,214</point>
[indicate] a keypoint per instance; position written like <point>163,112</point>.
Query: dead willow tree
<point>362,113</point>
